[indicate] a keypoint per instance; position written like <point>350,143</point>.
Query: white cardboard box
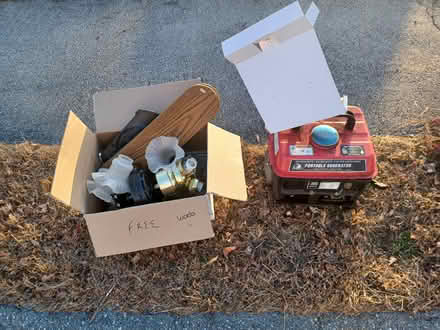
<point>284,69</point>
<point>153,225</point>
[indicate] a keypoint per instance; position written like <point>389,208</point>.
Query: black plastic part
<point>121,201</point>
<point>297,191</point>
<point>142,191</point>
<point>141,186</point>
<point>141,120</point>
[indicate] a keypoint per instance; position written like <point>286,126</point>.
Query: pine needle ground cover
<point>384,254</point>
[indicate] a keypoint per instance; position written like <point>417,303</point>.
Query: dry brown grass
<point>383,255</point>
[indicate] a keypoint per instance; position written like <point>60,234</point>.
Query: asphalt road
<point>12,318</point>
<point>54,55</point>
<point>384,54</point>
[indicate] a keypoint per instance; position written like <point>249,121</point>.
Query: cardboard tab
<point>312,13</point>
<point>225,164</point>
<point>115,108</point>
<point>76,160</point>
<point>150,226</point>
<point>284,69</point>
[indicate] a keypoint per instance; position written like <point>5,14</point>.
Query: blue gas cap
<point>325,136</point>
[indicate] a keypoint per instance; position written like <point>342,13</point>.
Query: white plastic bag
<point>110,181</point>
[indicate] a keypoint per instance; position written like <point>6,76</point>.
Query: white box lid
<point>284,69</point>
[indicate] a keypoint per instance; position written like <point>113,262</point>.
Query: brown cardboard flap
<point>225,164</point>
<point>76,160</point>
<point>149,226</point>
<point>115,108</point>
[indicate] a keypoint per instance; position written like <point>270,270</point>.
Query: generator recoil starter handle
<point>351,120</point>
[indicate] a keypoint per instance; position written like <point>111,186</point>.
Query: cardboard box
<point>284,69</point>
<point>153,225</point>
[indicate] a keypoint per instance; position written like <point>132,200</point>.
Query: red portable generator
<point>330,161</point>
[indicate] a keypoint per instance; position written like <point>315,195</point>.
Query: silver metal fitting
<point>189,166</point>
<point>195,185</point>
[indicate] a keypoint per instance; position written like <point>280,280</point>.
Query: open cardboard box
<point>284,69</point>
<point>152,225</point>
